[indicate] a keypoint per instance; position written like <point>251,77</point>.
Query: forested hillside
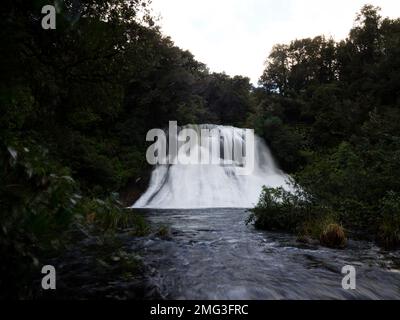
<point>76,104</point>
<point>331,113</point>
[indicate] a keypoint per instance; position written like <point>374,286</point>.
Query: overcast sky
<point>236,36</point>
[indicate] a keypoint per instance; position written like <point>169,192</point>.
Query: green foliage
<point>330,112</point>
<point>299,213</point>
<point>389,221</point>
<point>38,200</point>
<point>108,216</point>
<point>76,104</point>
<point>19,102</point>
<point>279,209</point>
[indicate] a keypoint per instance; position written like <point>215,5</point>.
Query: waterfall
<point>184,186</point>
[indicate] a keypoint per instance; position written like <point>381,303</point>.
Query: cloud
<point>235,36</point>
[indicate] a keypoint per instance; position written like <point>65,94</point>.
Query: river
<point>213,254</point>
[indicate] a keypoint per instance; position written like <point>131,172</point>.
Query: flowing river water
<point>213,254</point>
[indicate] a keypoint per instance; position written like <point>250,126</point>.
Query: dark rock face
<point>134,189</point>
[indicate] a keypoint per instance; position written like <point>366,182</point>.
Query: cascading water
<point>184,186</point>
<point>211,252</point>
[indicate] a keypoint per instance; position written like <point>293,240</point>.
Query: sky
<point>236,36</point>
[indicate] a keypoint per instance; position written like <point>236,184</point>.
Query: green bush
<point>39,203</point>
<point>279,209</point>
<point>109,216</point>
<point>389,221</point>
<point>297,212</point>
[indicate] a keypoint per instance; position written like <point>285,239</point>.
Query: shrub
<point>297,212</point>
<point>109,216</point>
<point>389,222</point>
<point>279,209</point>
<point>40,201</point>
<point>333,236</point>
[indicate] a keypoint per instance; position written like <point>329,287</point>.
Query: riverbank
<point>213,254</point>
<point>101,267</point>
<point>299,213</point>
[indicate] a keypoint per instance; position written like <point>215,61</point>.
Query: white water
<point>212,186</point>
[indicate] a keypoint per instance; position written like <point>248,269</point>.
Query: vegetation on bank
<point>42,209</point>
<point>297,212</point>
<point>331,113</point>
<point>76,104</point>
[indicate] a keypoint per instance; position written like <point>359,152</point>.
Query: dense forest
<point>76,105</point>
<point>331,113</point>
<point>77,102</point>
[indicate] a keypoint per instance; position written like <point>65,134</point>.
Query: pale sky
<point>235,36</point>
